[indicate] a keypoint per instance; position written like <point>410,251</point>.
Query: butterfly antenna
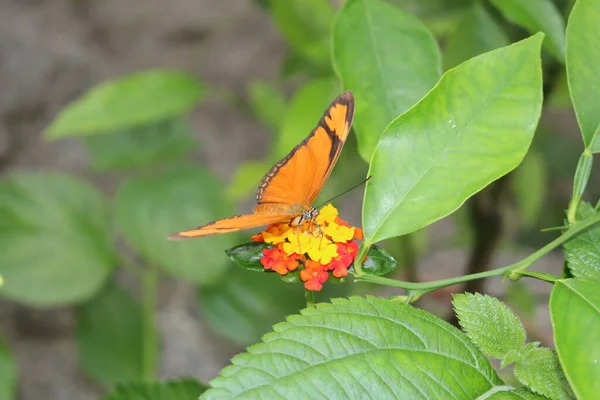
<point>345,191</point>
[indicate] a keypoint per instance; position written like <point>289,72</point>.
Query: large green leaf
<point>535,16</point>
<point>158,142</point>
<point>184,389</point>
<point>441,16</point>
<point>476,33</point>
<point>303,113</point>
<point>55,243</point>
<point>359,348</point>
<point>123,103</point>
<point>583,40</point>
<point>305,24</point>
<point>583,251</point>
<point>246,304</point>
<point>388,59</point>
<point>473,127</point>
<point>489,323</point>
<point>150,208</point>
<point>109,336</point>
<point>575,316</point>
<point>8,373</point>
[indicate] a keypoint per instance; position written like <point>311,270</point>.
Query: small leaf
<point>535,16</point>
<point>529,186</point>
<point>291,277</point>
<point>539,370</point>
<point>473,127</point>
<point>8,373</point>
<point>516,394</point>
<point>248,255</point>
<point>477,32</point>
<point>304,111</point>
<point>583,251</point>
<point>158,142</point>
<point>55,243</point>
<point>378,262</point>
<point>136,99</point>
<point>108,333</point>
<point>583,37</point>
<point>267,102</point>
<point>575,316</point>
<point>150,208</point>
<point>359,348</point>
<point>244,305</point>
<point>388,59</point>
<point>183,389</point>
<point>305,24</point>
<point>247,178</point>
<point>489,323</point>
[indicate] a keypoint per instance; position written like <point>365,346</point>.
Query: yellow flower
<point>327,215</point>
<point>339,233</point>
<point>276,234</point>
<point>298,242</point>
<point>322,250</point>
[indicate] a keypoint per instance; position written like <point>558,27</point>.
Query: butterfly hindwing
<point>232,224</point>
<point>299,177</point>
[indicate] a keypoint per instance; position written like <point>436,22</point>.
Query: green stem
<point>309,295</point>
<point>417,289</point>
<point>149,334</point>
<point>582,176</point>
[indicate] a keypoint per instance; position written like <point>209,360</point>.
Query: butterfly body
<point>288,189</point>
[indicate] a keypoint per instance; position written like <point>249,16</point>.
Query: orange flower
<point>317,247</point>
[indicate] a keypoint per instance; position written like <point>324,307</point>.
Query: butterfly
<point>287,191</point>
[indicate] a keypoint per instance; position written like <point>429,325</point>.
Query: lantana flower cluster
<point>316,248</point>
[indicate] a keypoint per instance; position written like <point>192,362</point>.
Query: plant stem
<point>149,334</point>
<point>417,289</point>
<point>309,295</point>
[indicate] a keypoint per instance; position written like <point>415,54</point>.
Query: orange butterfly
<point>287,191</point>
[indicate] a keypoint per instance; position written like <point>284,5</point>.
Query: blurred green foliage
<point>64,242</point>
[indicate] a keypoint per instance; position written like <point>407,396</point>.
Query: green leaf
<point>305,24</point>
<point>378,262</point>
<point>247,178</point>
<point>8,373</point>
<point>473,127</point>
<point>158,142</point>
<point>516,394</point>
<point>303,113</point>
<point>109,336</point>
<point>267,103</point>
<point>150,208</point>
<point>476,33</point>
<point>441,16</point>
<point>183,389</point>
<point>583,38</point>
<point>539,370</point>
<point>529,185</point>
<point>248,255</point>
<point>583,251</point>
<point>575,316</point>
<point>132,100</point>
<point>355,348</point>
<point>388,59</point>
<point>535,16</point>
<point>246,304</point>
<point>489,323</point>
<point>55,243</point>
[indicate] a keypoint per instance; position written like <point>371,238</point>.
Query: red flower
<point>313,275</point>
<point>276,260</point>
